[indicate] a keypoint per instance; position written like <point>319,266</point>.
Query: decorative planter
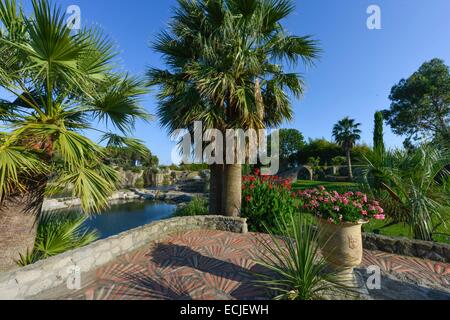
<point>342,245</point>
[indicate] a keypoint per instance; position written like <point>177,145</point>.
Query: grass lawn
<point>400,230</point>
<point>375,226</point>
<point>340,187</point>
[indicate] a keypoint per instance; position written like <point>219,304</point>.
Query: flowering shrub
<point>266,199</point>
<point>337,208</point>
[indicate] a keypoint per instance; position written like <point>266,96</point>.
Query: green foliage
<point>412,186</point>
<point>421,104</point>
<point>378,136</point>
<point>264,200</point>
<point>338,161</point>
<point>319,148</point>
<point>58,233</point>
<point>222,53</point>
<point>299,271</point>
<point>63,84</point>
<point>197,207</point>
<point>291,144</point>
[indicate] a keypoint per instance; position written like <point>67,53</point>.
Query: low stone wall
<point>420,249</point>
<point>47,274</point>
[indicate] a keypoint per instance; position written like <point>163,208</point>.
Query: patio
<point>216,265</point>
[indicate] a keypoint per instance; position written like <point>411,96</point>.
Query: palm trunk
<point>18,228</point>
<point>232,197</point>
<point>349,163</point>
<point>215,190</point>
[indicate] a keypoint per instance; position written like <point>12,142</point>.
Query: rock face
<point>130,179</point>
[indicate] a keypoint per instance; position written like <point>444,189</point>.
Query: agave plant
<point>412,186</point>
<point>297,269</point>
<point>58,233</point>
<point>60,84</point>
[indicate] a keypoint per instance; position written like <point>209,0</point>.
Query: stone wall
<point>47,274</point>
<point>420,249</point>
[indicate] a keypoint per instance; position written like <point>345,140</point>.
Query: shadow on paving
<point>396,289</point>
<point>182,286</point>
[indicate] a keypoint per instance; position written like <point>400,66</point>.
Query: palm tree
<point>412,186</point>
<point>224,62</point>
<point>346,133</point>
<point>60,82</point>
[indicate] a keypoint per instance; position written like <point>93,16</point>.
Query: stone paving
<point>215,265</point>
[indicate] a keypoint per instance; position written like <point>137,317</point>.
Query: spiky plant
<point>413,186</point>
<point>297,270</point>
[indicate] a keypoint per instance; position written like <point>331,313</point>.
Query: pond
<point>127,216</point>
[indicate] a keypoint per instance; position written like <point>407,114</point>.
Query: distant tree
<point>319,148</point>
<point>346,133</point>
<point>421,104</point>
<point>378,136</point>
<point>291,143</point>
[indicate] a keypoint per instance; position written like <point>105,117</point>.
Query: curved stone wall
<point>50,273</point>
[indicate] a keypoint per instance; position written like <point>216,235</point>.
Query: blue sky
<point>353,78</point>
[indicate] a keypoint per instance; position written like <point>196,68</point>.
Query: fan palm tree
<point>346,133</point>
<point>224,61</point>
<point>413,186</point>
<point>60,82</point>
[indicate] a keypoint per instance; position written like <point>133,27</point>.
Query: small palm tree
<point>346,133</point>
<point>413,186</point>
<point>225,68</point>
<point>60,83</point>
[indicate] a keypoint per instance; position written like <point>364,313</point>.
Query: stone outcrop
<point>406,247</point>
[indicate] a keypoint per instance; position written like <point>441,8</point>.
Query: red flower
<point>248,198</point>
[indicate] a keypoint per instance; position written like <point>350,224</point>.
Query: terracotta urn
<point>341,245</point>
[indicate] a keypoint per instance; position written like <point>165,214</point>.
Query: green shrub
<point>298,271</point>
<point>265,199</point>
<point>197,207</point>
<point>56,234</point>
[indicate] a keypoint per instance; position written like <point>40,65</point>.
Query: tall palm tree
<point>346,133</point>
<point>224,61</point>
<point>60,82</point>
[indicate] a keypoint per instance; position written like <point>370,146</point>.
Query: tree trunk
<point>232,196</point>
<point>18,228</point>
<point>215,189</point>
<point>349,163</point>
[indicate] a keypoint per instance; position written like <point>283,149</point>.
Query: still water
<point>126,216</point>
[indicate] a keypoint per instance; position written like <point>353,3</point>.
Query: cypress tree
<point>378,136</point>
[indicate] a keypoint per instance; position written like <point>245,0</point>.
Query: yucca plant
<point>412,186</point>
<point>62,83</point>
<point>297,270</point>
<point>58,233</point>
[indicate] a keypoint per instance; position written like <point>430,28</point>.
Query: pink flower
<point>336,208</point>
<point>379,217</point>
<point>364,213</point>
